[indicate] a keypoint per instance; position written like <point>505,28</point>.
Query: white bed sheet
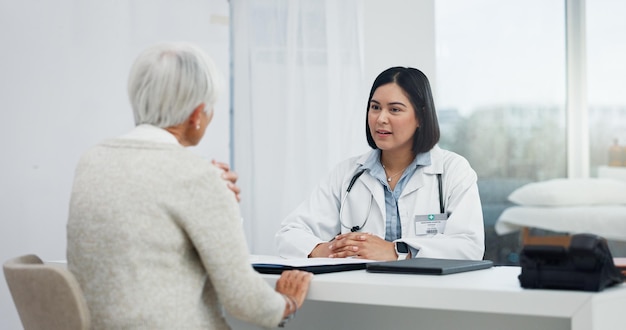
<point>608,221</point>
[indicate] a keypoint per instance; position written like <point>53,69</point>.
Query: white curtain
<point>299,103</point>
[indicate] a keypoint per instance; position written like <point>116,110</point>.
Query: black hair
<point>416,87</point>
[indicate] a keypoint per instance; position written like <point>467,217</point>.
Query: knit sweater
<point>155,239</point>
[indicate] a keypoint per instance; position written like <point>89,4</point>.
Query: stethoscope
<point>343,200</point>
<point>353,180</point>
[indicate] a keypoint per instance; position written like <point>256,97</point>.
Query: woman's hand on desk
<point>359,245</point>
<point>231,178</point>
<point>293,284</point>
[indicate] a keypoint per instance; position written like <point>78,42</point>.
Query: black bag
<point>587,265</point>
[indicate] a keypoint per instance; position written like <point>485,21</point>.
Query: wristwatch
<point>402,250</point>
<point>287,318</point>
<point>293,307</point>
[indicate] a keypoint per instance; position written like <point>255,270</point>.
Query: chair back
<point>46,296</point>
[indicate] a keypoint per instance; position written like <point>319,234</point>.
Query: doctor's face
<point>391,119</point>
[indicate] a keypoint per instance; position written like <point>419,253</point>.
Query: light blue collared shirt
<point>393,226</point>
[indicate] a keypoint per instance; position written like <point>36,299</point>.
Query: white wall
<point>396,33</point>
<point>399,33</point>
<point>63,88</point>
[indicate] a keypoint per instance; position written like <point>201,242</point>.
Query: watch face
<point>402,247</point>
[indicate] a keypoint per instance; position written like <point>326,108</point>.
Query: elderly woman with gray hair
<point>154,235</point>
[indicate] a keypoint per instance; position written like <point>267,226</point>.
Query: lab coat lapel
<point>376,190</point>
<point>373,185</point>
<point>367,191</point>
<point>417,180</point>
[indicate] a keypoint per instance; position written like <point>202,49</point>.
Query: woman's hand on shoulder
<point>231,178</point>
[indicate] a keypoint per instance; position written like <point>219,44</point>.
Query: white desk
<point>484,299</point>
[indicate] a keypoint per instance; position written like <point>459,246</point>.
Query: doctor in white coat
<point>405,198</point>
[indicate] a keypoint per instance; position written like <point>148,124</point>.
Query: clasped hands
<point>356,245</point>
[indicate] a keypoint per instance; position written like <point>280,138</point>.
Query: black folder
<point>315,269</point>
<point>428,266</point>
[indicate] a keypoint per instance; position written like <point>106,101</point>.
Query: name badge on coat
<point>430,224</point>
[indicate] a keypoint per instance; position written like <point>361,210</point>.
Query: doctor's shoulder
<point>454,163</point>
<point>347,167</point>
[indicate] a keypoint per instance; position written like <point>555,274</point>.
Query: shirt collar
<point>373,161</point>
<point>147,132</point>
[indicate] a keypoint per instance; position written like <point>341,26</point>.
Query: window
<point>500,92</point>
<point>606,74</point>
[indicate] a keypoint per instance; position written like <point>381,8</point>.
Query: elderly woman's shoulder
<point>193,162</point>
<point>165,155</point>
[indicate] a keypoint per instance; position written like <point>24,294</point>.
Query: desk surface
<point>496,290</point>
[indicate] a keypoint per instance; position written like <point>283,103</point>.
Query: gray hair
<point>168,81</point>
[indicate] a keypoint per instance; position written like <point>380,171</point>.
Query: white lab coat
<point>316,220</point>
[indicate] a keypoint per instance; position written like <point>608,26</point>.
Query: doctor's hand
<point>322,250</point>
<point>230,177</point>
<point>363,246</point>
